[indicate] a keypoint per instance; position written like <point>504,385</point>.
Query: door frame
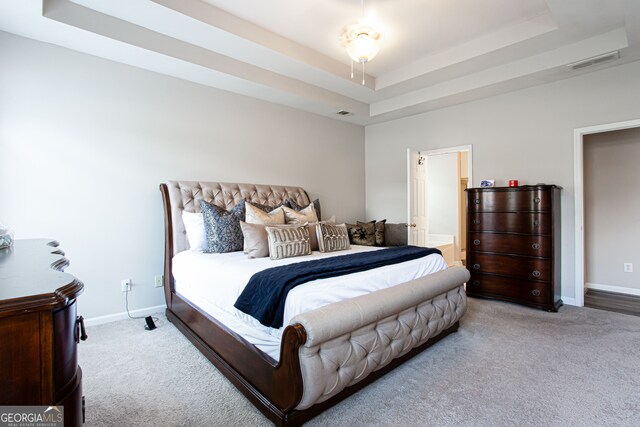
<point>446,150</point>
<point>456,149</point>
<point>578,180</point>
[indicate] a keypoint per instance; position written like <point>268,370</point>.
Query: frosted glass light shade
<point>362,42</point>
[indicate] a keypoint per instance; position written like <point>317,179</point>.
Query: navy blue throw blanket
<point>264,296</point>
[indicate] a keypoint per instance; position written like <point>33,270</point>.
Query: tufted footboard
<point>346,341</point>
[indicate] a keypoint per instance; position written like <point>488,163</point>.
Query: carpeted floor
<point>507,365</point>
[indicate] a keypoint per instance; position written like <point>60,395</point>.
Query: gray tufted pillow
<point>222,228</point>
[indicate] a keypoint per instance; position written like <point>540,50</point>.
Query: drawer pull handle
<point>536,223</point>
<point>535,293</point>
<point>80,333</point>
<point>476,283</point>
<point>476,242</point>
<point>536,273</point>
<point>476,266</point>
<point>477,201</point>
<point>537,200</point>
<point>536,246</point>
<point>476,221</point>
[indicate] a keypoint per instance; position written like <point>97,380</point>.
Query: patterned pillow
<point>286,241</point>
<point>296,207</point>
<point>307,214</point>
<point>222,228</point>
<point>313,237</point>
<point>363,233</point>
<point>255,215</point>
<point>332,237</point>
<point>380,232</point>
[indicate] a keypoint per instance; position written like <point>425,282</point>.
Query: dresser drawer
<point>510,222</point>
<point>538,246</point>
<point>508,288</point>
<point>510,265</point>
<point>510,200</point>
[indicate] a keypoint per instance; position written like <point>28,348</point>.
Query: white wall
<point>525,135</point>
<point>442,196</point>
<point>612,209</point>
<point>85,142</point>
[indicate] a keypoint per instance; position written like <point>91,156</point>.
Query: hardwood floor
<point>611,301</point>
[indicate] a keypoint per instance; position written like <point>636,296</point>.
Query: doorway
<point>579,140</point>
<point>436,199</point>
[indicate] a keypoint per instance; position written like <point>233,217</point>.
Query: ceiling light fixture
<point>362,42</point>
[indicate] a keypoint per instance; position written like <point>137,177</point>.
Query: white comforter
<point>213,282</point>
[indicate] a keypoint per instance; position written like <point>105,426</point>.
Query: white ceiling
<point>436,53</point>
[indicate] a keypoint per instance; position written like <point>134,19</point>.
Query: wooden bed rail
<point>168,246</point>
<point>257,376</point>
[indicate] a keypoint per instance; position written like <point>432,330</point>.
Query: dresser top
<point>519,187</point>
<point>31,277</point>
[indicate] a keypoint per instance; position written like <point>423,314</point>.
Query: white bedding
<point>213,282</point>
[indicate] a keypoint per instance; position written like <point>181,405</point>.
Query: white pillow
<point>194,224</point>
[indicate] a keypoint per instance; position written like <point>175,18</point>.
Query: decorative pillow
<point>332,237</point>
<point>255,215</point>
<point>269,208</point>
<point>222,228</point>
<point>296,207</point>
<point>380,232</point>
<point>362,233</point>
<point>307,214</point>
<point>395,234</point>
<point>256,240</point>
<point>286,241</point>
<point>313,238</point>
<point>194,225</point>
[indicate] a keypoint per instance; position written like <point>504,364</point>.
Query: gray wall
<point>525,135</point>
<point>84,143</point>
<point>612,209</point>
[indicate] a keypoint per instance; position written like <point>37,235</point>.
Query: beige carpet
<point>508,365</point>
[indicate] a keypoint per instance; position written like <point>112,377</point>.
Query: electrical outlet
<point>628,267</point>
<point>125,284</point>
<point>159,281</point>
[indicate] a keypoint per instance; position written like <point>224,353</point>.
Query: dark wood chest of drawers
<point>39,329</point>
<point>513,244</point>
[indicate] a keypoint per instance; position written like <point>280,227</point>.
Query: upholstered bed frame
<point>326,354</point>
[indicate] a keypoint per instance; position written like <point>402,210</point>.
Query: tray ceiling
<point>436,53</point>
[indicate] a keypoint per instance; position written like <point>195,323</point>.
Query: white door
<point>417,189</point>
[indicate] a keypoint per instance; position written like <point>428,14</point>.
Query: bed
<point>321,355</point>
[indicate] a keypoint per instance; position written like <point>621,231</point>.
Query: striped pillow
<point>286,241</point>
<point>332,237</point>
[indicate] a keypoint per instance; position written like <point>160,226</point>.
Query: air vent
<point>344,113</point>
<point>611,56</point>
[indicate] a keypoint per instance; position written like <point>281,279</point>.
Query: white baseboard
<point>140,312</point>
<point>568,301</point>
<point>609,288</point>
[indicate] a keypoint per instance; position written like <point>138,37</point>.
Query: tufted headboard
<point>181,196</point>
